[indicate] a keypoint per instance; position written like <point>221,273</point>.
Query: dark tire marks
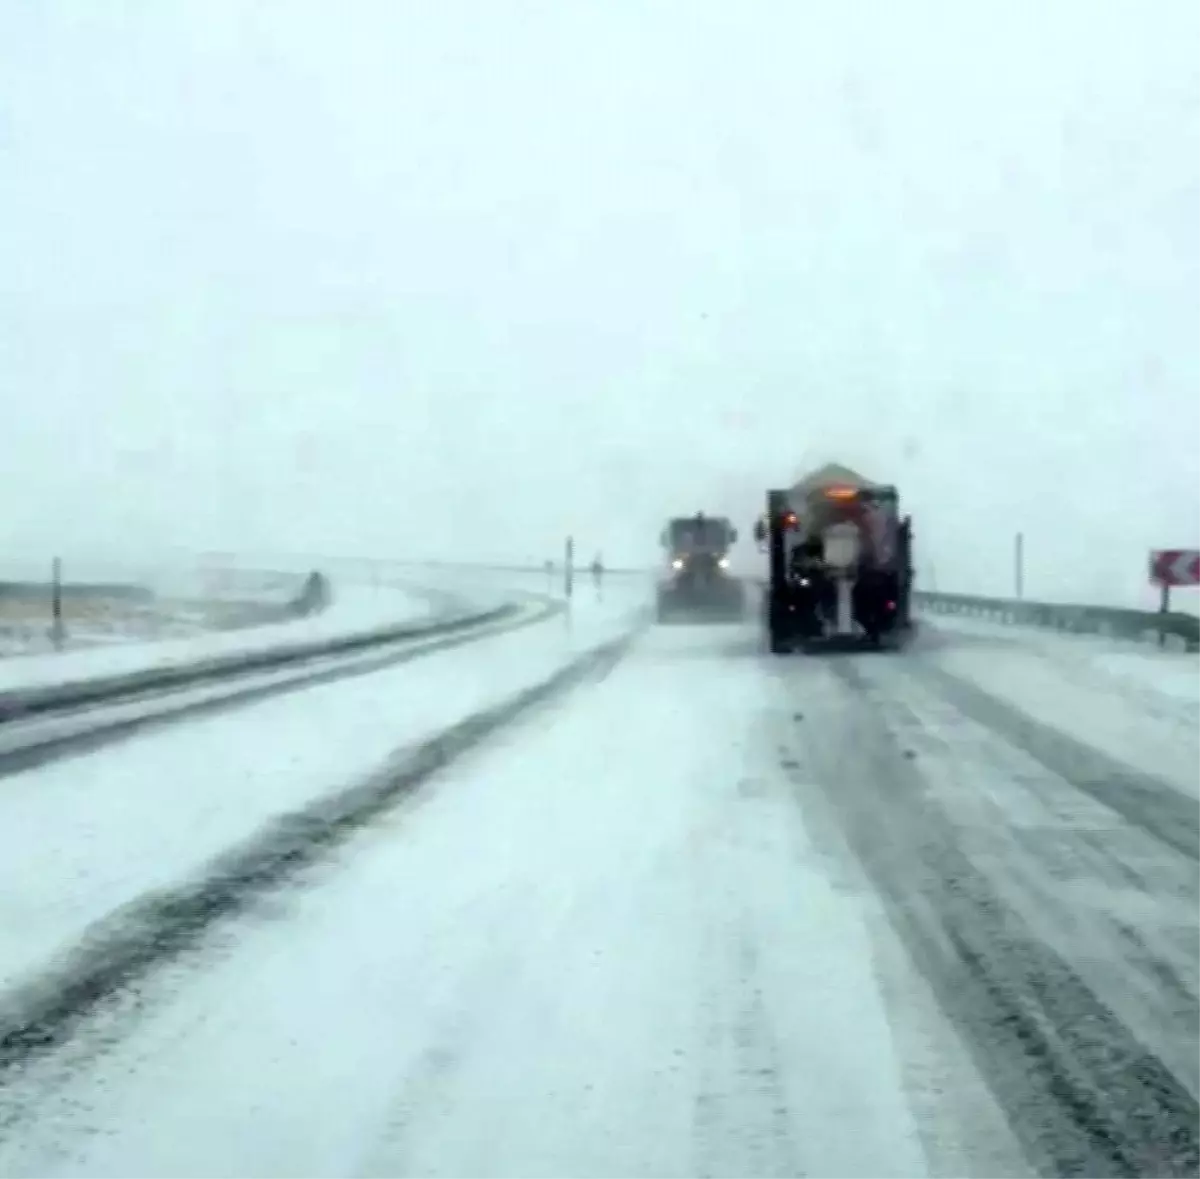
<point>151,932</point>
<point>161,711</point>
<point>1142,799</point>
<point>1081,1094</point>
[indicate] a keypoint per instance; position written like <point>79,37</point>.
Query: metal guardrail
<point>1180,631</point>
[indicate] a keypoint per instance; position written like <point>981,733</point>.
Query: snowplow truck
<point>697,585</point>
<point>839,565</point>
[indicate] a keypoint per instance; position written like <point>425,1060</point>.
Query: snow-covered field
<point>181,602</point>
<point>711,913</point>
<point>25,627</point>
<point>354,608</point>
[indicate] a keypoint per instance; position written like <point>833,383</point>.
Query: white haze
<point>446,279</point>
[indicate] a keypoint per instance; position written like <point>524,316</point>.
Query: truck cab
<point>696,581</point>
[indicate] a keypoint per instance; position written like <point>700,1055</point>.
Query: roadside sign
<point>1175,567</point>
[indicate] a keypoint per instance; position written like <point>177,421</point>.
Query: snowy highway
<point>594,898</point>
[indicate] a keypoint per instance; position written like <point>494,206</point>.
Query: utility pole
<point>569,572</point>
<point>1019,566</point>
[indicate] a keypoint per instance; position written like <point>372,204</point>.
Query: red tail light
<point>891,605</point>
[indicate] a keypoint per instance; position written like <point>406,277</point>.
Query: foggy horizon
<point>416,282</point>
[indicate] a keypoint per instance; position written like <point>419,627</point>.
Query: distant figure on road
<point>597,571</point>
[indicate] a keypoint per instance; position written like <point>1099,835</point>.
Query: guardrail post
<point>57,629</point>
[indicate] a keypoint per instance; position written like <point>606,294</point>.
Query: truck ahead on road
<point>839,563</point>
<point>697,584</point>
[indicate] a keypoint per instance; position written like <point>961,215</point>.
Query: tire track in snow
<point>962,1129</point>
<point>1143,799</point>
<point>1082,1095</point>
<point>424,1107</point>
<point>157,929</point>
<point>742,1124</point>
<point>78,731</point>
<point>1111,897</point>
<point>424,1092</point>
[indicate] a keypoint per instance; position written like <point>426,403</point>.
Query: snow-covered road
<point>709,913</point>
<point>82,837</point>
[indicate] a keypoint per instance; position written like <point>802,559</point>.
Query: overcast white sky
<point>399,279</point>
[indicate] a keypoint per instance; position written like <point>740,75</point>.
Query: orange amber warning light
<point>839,491</point>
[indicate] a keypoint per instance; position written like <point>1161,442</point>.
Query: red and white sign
<point>1175,567</point>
